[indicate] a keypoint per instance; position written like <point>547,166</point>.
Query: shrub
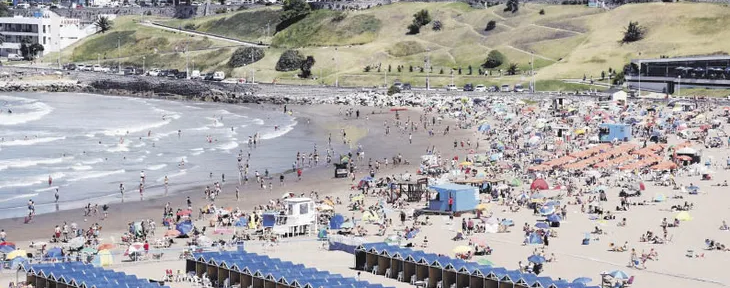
<point>420,19</point>
<point>245,55</point>
<point>290,60</point>
<point>190,26</point>
<point>437,25</point>
<point>494,59</point>
<point>306,67</point>
<point>633,33</point>
<point>491,25</point>
<point>413,29</point>
<point>542,11</point>
<point>393,90</point>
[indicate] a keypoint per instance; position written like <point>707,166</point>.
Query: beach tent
<point>534,238</point>
<point>683,216</point>
<point>465,197</point>
<point>484,127</point>
<point>103,259</point>
<point>336,221</point>
<point>539,184</point>
<point>241,222</point>
<point>370,216</point>
<point>54,253</point>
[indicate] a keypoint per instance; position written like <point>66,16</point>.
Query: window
<point>44,28</point>
<point>304,208</point>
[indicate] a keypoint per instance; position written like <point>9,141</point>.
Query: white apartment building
<point>45,27</point>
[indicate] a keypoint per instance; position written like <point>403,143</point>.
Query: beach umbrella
<point>6,249</point>
<point>392,239</point>
<point>507,222</point>
<point>539,184</point>
<point>76,243</point>
<point>542,225</point>
<point>483,207</point>
<point>103,259</point>
<point>485,261</point>
<point>584,280</point>
<point>88,250</point>
<point>184,213</point>
<point>347,225</point>
<point>554,218</point>
<point>601,188</point>
<point>537,259</point>
<point>16,253</point>
<point>660,198</point>
<point>7,244</point>
<point>547,210</point>
<point>479,241</point>
<point>537,196</point>
<point>134,248</point>
<point>619,275</point>
<point>534,238</point>
<point>553,203</point>
<point>370,216</point>
<point>17,262</point>
<point>325,207</point>
<point>463,249</point>
<point>105,246</point>
<point>172,233</point>
<point>516,182</point>
<point>184,227</point>
<point>54,253</point>
<point>287,195</point>
<point>683,216</point>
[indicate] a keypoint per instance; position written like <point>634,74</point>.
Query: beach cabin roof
<point>297,200</point>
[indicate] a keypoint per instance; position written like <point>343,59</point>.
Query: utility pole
<point>98,59</point>
<point>268,24</point>
<point>385,71</point>
<point>119,54</point>
<point>143,60</point>
<point>337,70</point>
<point>639,80</point>
<point>452,76</point>
<point>428,69</point>
<point>253,71</point>
<point>679,86</point>
<point>532,72</point>
<point>187,71</point>
<point>59,55</point>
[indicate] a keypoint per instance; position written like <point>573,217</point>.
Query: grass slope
<point>247,25</point>
<point>567,42</point>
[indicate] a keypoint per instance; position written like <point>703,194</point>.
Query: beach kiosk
<point>610,132</point>
<point>559,103</point>
<point>298,218</point>
<point>465,198</point>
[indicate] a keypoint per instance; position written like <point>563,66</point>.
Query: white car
<point>97,68</point>
<point>195,74</point>
<point>80,67</point>
<point>219,76</point>
<point>519,88</point>
<point>505,88</point>
<point>480,88</point>
<point>15,57</point>
<point>451,87</point>
<point>154,72</point>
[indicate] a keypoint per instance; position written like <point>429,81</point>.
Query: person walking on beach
<point>121,189</point>
<point>50,180</point>
<point>237,191</point>
<point>56,195</point>
<point>141,176</point>
<point>105,208</point>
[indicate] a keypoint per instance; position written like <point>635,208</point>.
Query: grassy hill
<point>566,42</point>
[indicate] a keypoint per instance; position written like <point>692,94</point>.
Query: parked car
<point>480,88</point>
<point>96,68</point>
<point>69,66</point>
<point>406,86</point>
<point>15,57</point>
<point>163,73</point>
<point>208,76</point>
<point>451,87</point>
<point>398,84</point>
<point>154,72</point>
<point>195,74</point>
<point>129,71</point>
<point>172,73</point>
<point>505,88</point>
<point>219,76</point>
<point>519,88</point>
<point>468,87</point>
<point>181,75</point>
<point>493,88</point>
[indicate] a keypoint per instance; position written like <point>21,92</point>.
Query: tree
<point>307,67</point>
<point>292,12</point>
<point>603,75</point>
<point>459,70</point>
<point>367,69</point>
<point>491,25</point>
<point>512,6</point>
<point>103,24</point>
<point>422,17</point>
<point>290,60</point>
<point>413,29</point>
<point>410,68</point>
<point>469,70</point>
<point>399,68</point>
<point>542,11</point>
<point>633,33</point>
<point>245,55</point>
<point>5,10</point>
<point>442,71</point>
<point>388,67</point>
<point>437,25</point>
<point>190,26</point>
<point>512,69</point>
<point>494,59</point>
<point>30,50</point>
<point>393,90</point>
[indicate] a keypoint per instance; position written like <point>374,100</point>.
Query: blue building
<point>609,132</point>
<point>465,198</point>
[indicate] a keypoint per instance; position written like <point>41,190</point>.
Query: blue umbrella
<point>184,227</point>
<point>583,280</point>
<point>537,259</point>
<point>538,196</point>
<point>6,249</point>
<point>554,218</point>
<point>553,203</point>
<point>54,253</point>
<point>618,274</point>
<point>547,210</point>
<point>542,225</point>
<point>507,222</point>
<point>693,188</point>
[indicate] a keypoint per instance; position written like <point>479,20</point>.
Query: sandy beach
<point>668,267</point>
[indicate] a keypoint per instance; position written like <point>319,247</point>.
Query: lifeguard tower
<point>298,218</point>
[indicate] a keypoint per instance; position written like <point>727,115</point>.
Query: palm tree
<point>512,69</point>
<point>103,24</point>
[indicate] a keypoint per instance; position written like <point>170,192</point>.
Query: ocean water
<point>89,144</point>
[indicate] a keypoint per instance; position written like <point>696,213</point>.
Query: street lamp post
<point>428,67</point>
<point>253,70</point>
<point>59,55</point>
<point>187,71</point>
<point>119,54</point>
<point>143,60</point>
<point>639,79</point>
<point>532,72</point>
<point>98,59</point>
<point>337,70</point>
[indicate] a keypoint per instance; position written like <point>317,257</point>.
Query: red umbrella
<point>539,184</point>
<point>398,109</point>
<point>184,213</point>
<point>6,243</point>
<point>641,186</point>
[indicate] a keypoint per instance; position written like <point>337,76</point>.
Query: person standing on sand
<point>237,191</point>
<point>56,195</point>
<point>299,174</point>
<point>121,189</point>
<point>3,235</point>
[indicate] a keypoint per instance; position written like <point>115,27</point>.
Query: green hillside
<point>568,41</point>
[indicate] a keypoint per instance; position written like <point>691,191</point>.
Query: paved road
<point>211,36</point>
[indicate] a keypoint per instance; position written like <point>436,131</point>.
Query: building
<point>44,27</point>
<point>669,75</point>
